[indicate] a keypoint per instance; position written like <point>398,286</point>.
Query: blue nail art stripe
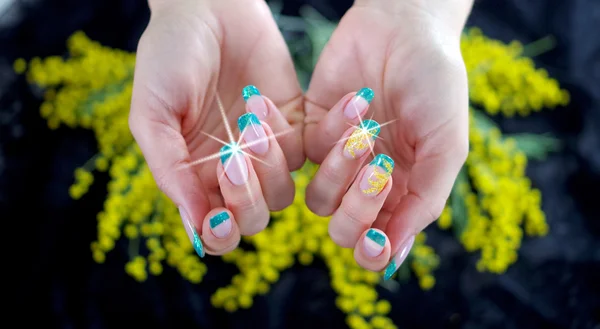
<point>367,94</point>
<point>384,162</point>
<point>390,270</point>
<point>197,243</point>
<point>218,219</point>
<point>246,119</point>
<point>227,151</point>
<point>376,237</point>
<point>371,126</point>
<point>249,91</point>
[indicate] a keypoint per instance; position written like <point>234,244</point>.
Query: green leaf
<point>536,146</point>
<point>457,203</point>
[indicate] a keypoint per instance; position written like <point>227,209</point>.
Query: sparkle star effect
<point>234,145</point>
<point>365,133</point>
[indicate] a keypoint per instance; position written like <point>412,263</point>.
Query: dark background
<point>554,284</point>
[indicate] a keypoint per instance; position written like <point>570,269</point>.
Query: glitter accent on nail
<point>376,236</point>
<point>249,91</point>
<point>228,150</point>
<point>218,219</point>
<point>246,119</point>
<point>378,179</point>
<point>358,141</point>
<point>384,162</point>
<point>367,94</point>
<point>196,243</point>
<point>390,270</point>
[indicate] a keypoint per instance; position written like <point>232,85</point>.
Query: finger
<point>269,162</point>
<point>362,202</point>
<point>157,131</point>
<point>289,139</point>
<point>326,190</point>
<point>322,131</point>
<point>372,250</point>
<point>430,183</point>
<point>241,191</point>
<point>220,232</point>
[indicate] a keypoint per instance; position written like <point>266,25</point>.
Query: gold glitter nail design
<point>362,138</point>
<point>376,177</point>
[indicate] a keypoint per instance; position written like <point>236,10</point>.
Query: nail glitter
<point>362,137</point>
<point>376,237</point>
<point>218,219</point>
<point>378,178</point>
<point>247,119</point>
<point>249,91</point>
<point>366,93</point>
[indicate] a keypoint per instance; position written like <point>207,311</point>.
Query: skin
<point>406,51</point>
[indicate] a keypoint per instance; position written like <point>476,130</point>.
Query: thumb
<point>439,158</point>
<point>157,130</point>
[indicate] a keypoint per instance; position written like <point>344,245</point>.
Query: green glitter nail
<point>249,91</point>
<point>197,243</point>
<point>219,218</point>
<point>227,151</point>
<point>390,270</point>
<point>371,126</point>
<point>384,162</point>
<point>367,94</point>
<point>246,119</point>
<point>376,237</point>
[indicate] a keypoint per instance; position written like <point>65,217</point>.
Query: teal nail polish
<point>249,91</point>
<point>247,119</point>
<point>390,270</point>
<point>376,236</point>
<point>384,162</point>
<point>197,243</point>
<point>227,151</point>
<point>218,219</point>
<point>372,127</point>
<point>367,94</point>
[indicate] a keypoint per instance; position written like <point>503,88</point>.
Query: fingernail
<point>234,164</point>
<point>361,139</point>
<point>398,258</point>
<point>253,133</point>
<point>191,232</point>
<point>359,103</point>
<point>256,104</point>
<point>220,224</point>
<point>374,243</point>
<point>377,175</point>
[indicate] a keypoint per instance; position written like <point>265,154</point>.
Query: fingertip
<point>220,232</point>
<point>372,250</point>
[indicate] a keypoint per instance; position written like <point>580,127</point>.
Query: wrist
<point>450,15</point>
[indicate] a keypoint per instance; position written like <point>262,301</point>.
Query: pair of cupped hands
<point>385,116</point>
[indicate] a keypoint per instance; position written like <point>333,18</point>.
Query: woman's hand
<point>191,51</point>
<point>408,52</point>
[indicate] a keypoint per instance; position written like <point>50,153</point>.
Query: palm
<point>413,80</point>
<point>200,57</point>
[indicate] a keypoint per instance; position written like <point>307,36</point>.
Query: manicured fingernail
<point>220,224</point>
<point>377,175</point>
<point>398,258</point>
<point>256,104</point>
<point>359,103</point>
<point>253,133</point>
<point>374,243</point>
<point>362,139</point>
<point>234,164</point>
<point>191,232</point>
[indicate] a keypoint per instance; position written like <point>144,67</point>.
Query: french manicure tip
<point>247,119</point>
<point>384,162</point>
<point>390,270</point>
<point>218,219</point>
<point>227,151</point>
<point>376,237</point>
<point>249,91</point>
<point>371,126</point>
<point>197,243</point>
<point>367,93</point>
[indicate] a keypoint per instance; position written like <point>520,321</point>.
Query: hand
<point>190,51</point>
<point>410,56</point>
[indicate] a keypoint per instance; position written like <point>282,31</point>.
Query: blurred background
<point>555,282</point>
